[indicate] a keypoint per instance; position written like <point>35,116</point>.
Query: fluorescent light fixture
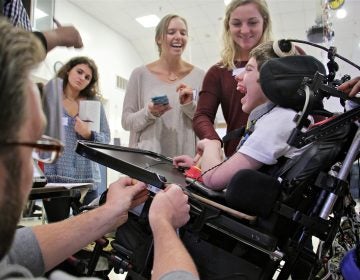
<point>341,13</point>
<point>148,21</point>
<point>227,2</point>
<point>38,14</point>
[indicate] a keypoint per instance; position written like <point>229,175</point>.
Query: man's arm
<point>170,254</point>
<point>66,36</point>
<point>60,240</point>
<point>170,210</point>
<point>63,36</point>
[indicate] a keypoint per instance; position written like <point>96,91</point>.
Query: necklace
<point>172,77</point>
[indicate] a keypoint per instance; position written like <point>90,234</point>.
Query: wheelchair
<point>310,201</point>
<point>229,235</point>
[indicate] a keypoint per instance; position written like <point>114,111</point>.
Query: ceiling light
<point>148,21</point>
<point>227,2</point>
<point>340,14</point>
<point>38,14</point>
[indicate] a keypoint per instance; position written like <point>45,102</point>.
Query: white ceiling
<point>291,19</point>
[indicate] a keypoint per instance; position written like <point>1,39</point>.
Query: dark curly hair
<point>92,90</point>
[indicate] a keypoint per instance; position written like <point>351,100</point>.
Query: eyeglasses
<point>46,149</point>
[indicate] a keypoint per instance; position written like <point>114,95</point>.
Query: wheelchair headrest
<point>280,79</point>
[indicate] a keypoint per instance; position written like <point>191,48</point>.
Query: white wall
<point>113,54</point>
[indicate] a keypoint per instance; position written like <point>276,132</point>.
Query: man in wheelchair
<point>279,175</point>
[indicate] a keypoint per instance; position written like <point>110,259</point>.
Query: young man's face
<point>248,83</point>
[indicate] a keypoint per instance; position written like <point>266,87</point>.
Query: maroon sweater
<point>219,87</point>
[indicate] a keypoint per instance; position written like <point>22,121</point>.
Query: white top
<point>268,142</point>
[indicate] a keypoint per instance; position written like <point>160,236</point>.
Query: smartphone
<point>157,100</point>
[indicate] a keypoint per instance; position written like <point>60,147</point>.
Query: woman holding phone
<point>159,103</point>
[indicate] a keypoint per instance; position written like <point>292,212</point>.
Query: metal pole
<point>342,175</point>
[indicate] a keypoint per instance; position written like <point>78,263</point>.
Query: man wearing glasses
<point>33,251</point>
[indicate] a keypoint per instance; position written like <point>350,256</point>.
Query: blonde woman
<point>246,24</point>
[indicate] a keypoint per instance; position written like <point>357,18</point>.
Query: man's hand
<point>124,194</point>
<point>169,206</point>
<point>65,36</point>
<point>69,36</point>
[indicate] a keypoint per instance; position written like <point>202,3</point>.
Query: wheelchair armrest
<point>243,230</point>
<point>253,192</point>
<point>218,196</point>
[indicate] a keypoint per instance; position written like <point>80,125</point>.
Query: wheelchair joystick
<point>120,265</point>
<point>194,172</point>
<point>121,258</point>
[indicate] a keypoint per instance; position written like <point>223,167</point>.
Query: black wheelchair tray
<point>143,165</point>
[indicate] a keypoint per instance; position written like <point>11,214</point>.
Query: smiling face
<point>175,38</point>
<point>246,26</point>
<point>248,83</point>
<point>79,77</point>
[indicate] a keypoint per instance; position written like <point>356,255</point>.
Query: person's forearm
<point>212,155</point>
<point>204,127</point>
<point>60,240</point>
<point>169,252</point>
<point>42,39</point>
<point>66,36</point>
<point>189,109</point>
<point>136,121</point>
<point>51,39</point>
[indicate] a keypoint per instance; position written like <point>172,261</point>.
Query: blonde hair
<point>161,28</point>
<point>230,48</point>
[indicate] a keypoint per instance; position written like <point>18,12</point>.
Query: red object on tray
<point>194,172</point>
